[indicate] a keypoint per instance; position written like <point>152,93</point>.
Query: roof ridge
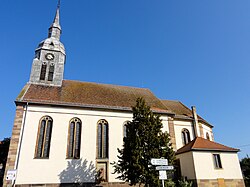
<point>169,100</point>
<point>108,84</point>
<point>201,118</point>
<point>185,106</point>
<point>213,142</point>
<point>202,144</point>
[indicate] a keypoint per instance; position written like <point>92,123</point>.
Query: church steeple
<point>55,28</point>
<point>48,64</point>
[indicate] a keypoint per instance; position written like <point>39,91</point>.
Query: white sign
<point>163,175</point>
<point>164,167</point>
<point>11,175</point>
<point>159,162</point>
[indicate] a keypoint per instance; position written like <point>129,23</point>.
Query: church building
<point>65,130</point>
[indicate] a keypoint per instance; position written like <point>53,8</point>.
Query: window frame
<point>185,136</point>
<point>217,161</point>
<point>41,150</point>
<point>100,150</point>
<point>72,145</point>
<point>43,71</point>
<point>51,72</point>
<point>124,128</point>
<point>207,136</point>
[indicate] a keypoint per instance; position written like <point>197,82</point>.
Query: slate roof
<point>86,94</point>
<point>201,144</point>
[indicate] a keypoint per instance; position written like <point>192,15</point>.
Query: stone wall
<point>14,143</point>
<point>172,132</point>
<point>198,183</point>
<point>220,183</point>
<point>106,184</point>
<point>201,131</point>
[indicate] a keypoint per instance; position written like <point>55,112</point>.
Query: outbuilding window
<point>44,137</point>
<point>217,161</point>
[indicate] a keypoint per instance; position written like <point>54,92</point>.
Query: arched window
<point>207,136</point>
<point>125,128</point>
<point>51,72</point>
<point>43,71</point>
<point>44,137</point>
<point>185,136</point>
<point>102,139</point>
<point>74,138</point>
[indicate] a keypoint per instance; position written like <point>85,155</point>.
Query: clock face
<point>49,56</point>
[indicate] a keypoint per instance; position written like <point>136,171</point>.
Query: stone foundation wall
<point>111,184</point>
<point>14,143</point>
<point>196,183</point>
<point>220,183</point>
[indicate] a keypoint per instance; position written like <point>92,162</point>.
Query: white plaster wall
<point>51,170</point>
<point>165,127</point>
<point>37,171</point>
<point>207,129</point>
<point>187,165</point>
<point>204,166</point>
<point>178,126</point>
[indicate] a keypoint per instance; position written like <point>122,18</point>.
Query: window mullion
<point>74,142</point>
<point>44,138</point>
<point>102,148</point>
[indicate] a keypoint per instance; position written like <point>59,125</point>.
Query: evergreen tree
<point>4,148</point>
<point>144,140</point>
<point>245,167</point>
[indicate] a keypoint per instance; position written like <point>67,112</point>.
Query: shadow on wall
<point>78,173</point>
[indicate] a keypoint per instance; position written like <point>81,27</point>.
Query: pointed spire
<point>55,28</point>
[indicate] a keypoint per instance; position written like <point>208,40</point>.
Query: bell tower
<point>48,63</point>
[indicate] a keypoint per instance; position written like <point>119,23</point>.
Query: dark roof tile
<point>181,111</point>
<point>90,94</point>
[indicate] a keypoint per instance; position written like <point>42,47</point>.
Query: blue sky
<point>196,51</point>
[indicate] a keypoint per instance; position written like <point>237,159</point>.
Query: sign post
<point>164,168</point>
<point>11,175</point>
<point>161,165</point>
<point>163,176</point>
<point>159,162</point>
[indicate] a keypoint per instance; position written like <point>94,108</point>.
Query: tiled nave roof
<point>103,96</point>
<point>76,93</point>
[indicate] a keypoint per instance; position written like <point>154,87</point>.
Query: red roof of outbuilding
<point>201,144</point>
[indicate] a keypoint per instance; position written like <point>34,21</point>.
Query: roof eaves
<point>204,121</point>
<point>43,102</point>
<point>206,150</point>
<point>183,117</point>
<point>23,92</point>
<point>217,150</point>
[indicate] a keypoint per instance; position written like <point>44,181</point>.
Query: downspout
<point>20,140</point>
<point>195,122</point>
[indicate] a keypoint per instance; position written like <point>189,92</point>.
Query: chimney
<point>195,122</point>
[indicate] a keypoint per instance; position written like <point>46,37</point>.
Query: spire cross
<point>58,4</point>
